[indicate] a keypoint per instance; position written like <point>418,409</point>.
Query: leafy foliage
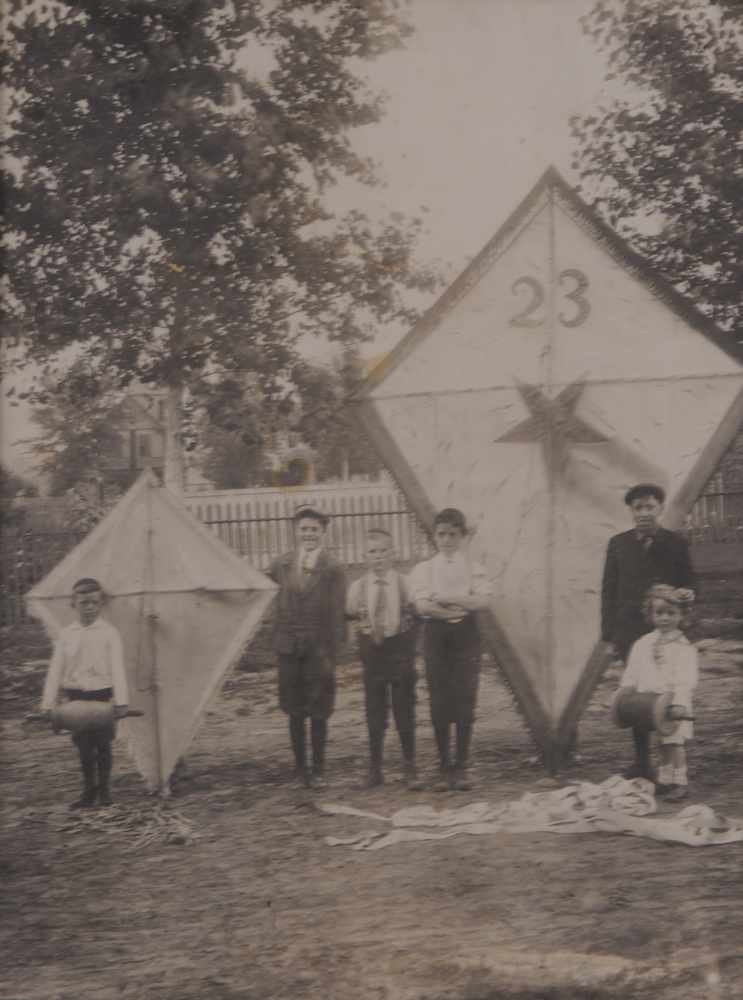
<point>78,438</point>
<point>166,164</point>
<point>233,427</point>
<point>667,152</point>
<point>13,485</point>
<point>240,426</point>
<point>325,424</point>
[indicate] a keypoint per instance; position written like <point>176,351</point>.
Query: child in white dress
<point>665,662</point>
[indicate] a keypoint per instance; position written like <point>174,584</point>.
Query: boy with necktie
<point>379,602</point>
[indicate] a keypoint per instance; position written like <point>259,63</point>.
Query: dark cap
<point>452,516</point>
<point>311,512</point>
<point>86,585</point>
<point>645,490</point>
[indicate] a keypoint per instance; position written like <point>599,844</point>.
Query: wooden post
<point>175,466</point>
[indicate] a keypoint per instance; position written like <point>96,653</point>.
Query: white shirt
<point>393,585</point>
<point>89,657</point>
<point>307,558</point>
<point>665,667</point>
<point>447,577</point>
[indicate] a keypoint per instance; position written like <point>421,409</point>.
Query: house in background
<point>139,420</point>
<point>291,461</point>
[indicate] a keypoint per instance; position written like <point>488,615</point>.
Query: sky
<point>478,107</point>
<point>479,104</point>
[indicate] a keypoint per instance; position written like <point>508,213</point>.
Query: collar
<point>643,535</point>
<point>455,557</point>
<point>677,636</point>
<point>309,557</point>
<point>79,627</point>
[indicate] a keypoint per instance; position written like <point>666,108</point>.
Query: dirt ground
<point>258,907</point>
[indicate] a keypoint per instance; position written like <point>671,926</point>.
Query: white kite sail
<point>556,372</point>
<point>185,606</point>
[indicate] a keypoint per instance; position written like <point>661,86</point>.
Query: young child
<point>665,662</point>
<point>309,634</point>
<point>447,590</point>
<point>88,665</point>
<point>636,560</point>
<point>386,631</point>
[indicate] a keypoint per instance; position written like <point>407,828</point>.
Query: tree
<point>78,438</point>
<point>13,485</point>
<point>232,427</point>
<point>322,392</point>
<point>239,426</point>
<point>663,161</point>
<point>167,166</point>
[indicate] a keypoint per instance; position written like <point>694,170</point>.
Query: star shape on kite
<point>552,423</point>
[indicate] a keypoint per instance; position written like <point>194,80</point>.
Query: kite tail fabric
<point>616,805</point>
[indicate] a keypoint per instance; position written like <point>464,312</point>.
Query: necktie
<point>380,610</point>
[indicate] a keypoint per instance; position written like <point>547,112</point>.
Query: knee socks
<point>642,748</point>
<point>105,763</point>
<point>376,747</point>
<point>441,734</point>
<point>319,729</point>
<point>464,738</point>
<point>297,734</point>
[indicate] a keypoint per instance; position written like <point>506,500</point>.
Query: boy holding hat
<point>309,633</point>
<point>637,559</point>
<point>88,665</point>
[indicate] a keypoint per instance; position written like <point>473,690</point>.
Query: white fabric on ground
<point>616,805</point>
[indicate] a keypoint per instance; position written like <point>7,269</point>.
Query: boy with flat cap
<point>309,633</point>
<point>636,560</point>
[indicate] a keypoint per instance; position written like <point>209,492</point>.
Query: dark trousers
<point>631,627</point>
<point>306,683</point>
<point>94,745</point>
<point>452,652</point>
<point>389,680</point>
<point>307,690</point>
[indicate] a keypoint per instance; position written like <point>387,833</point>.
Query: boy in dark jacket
<point>309,634</point>
<point>636,560</point>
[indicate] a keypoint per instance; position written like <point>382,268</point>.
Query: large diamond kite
<point>553,374</point>
<point>184,604</point>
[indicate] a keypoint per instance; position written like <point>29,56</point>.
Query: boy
<point>379,602</point>
<point>88,665</point>
<point>636,560</point>
<point>448,591</point>
<point>309,633</point>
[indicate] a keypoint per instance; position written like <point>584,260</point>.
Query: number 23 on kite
<point>574,285</point>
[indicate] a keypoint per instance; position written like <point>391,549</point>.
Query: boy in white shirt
<point>379,602</point>
<point>88,665</point>
<point>448,590</point>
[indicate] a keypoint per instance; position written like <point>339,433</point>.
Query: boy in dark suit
<point>635,560</point>
<point>309,633</point>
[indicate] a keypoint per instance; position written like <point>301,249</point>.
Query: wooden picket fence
<point>25,558</point>
<point>258,525</point>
